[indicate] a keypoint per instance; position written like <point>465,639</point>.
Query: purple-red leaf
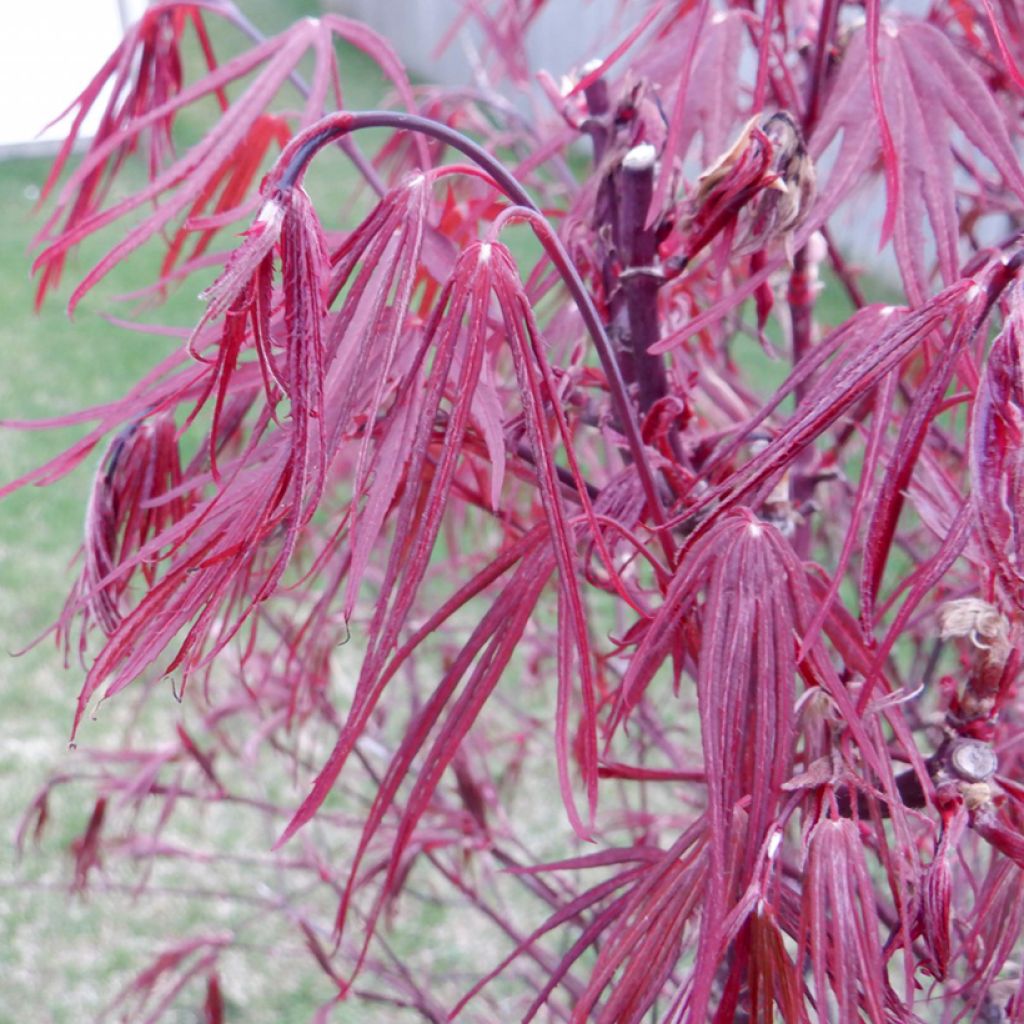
<point>840,929</point>
<point>926,90</point>
<point>997,458</point>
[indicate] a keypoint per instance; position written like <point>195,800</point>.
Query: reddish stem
<point>826,32</point>
<point>292,165</point>
<point>638,280</point>
<point>801,314</point>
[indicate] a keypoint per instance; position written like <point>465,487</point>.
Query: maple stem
<point>800,297</point>
<point>599,105</point>
<point>605,218</point>
<point>639,278</point>
<point>801,309</point>
<point>295,158</point>
<point>826,30</point>
<point>629,272</point>
<point>842,271</point>
<point>524,452</point>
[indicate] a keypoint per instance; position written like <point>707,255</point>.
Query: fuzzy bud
<point>784,203</point>
<point>988,632</point>
<point>982,623</point>
<point>763,186</point>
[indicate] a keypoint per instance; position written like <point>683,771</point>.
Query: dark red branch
<point>292,165</point>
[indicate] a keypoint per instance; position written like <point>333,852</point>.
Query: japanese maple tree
<point>478,515</point>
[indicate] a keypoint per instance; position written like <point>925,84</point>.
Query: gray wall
<point>564,35</point>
